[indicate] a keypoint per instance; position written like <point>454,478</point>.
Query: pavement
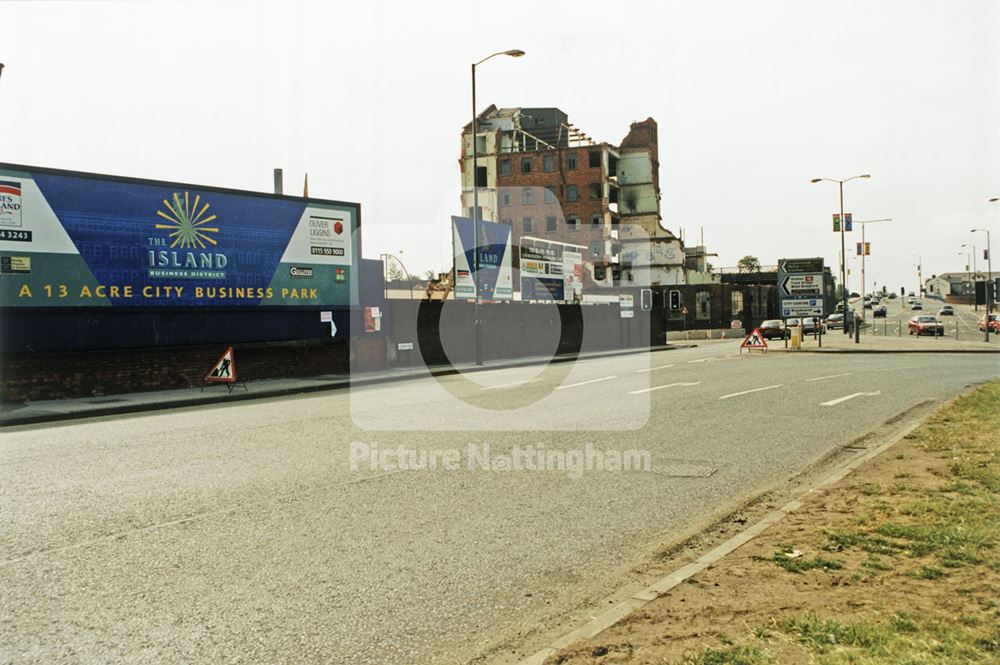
<point>84,407</point>
<point>42,411</point>
<point>884,335</point>
<point>253,532</point>
<point>837,342</point>
<point>889,334</point>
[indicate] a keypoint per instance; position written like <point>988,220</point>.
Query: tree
<point>748,264</point>
<point>395,272</point>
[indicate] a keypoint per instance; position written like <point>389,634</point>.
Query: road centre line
<point>755,390</point>
<point>584,383</point>
<point>669,385</point>
<point>652,369</point>
<point>833,402</point>
<point>700,360</point>
<point>831,376</point>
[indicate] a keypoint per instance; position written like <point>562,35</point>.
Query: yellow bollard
<point>797,337</point>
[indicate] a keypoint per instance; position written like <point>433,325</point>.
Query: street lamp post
<point>920,275</point>
<point>843,269</point>
<point>864,258</point>
<point>972,275</point>
<point>989,279</point>
<point>477,332</point>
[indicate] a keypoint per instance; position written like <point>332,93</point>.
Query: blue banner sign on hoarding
<point>496,275</point>
<point>86,240</point>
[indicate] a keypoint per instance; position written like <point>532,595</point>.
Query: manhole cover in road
<point>682,469</point>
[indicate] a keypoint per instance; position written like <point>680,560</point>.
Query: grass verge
<point>898,564</point>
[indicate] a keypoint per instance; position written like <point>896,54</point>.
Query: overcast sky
<point>752,99</point>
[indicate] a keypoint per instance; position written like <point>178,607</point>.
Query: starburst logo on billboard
<point>184,222</point>
<point>187,247</point>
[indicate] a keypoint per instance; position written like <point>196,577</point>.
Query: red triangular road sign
<point>224,369</point>
<point>754,341</point>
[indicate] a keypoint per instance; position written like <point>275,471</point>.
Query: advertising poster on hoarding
<point>573,271</point>
<point>100,241</point>
<point>542,272</point>
<point>496,274</point>
<point>551,271</point>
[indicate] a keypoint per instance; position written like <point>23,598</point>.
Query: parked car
<point>925,325</point>
<point>880,312</point>
<point>811,325</point>
<point>994,323</point>
<point>835,321</point>
<point>892,296</point>
<point>774,329</point>
<point>917,305</point>
<point>946,310</point>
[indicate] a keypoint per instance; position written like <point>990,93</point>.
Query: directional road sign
<point>798,307</point>
<point>801,285</point>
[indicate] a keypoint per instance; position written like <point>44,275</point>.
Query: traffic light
<point>646,299</point>
<point>675,301</point>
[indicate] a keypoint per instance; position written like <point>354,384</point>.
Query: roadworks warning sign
<point>224,369</point>
<point>754,341</point>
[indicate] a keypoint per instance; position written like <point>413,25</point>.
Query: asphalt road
<point>963,325</point>
<point>242,532</point>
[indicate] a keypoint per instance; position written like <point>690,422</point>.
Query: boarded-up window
<point>703,305</point>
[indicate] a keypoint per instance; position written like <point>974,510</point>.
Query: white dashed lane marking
<point>755,390</point>
<point>652,369</point>
<point>584,383</point>
<point>831,376</point>
<point>832,402</point>
<point>669,385</point>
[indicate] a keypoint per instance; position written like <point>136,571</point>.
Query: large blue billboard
<point>74,239</point>
<point>495,277</point>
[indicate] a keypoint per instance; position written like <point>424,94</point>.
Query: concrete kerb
<point>202,399</point>
<point>609,617</point>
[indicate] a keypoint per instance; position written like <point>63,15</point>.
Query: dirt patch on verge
<point>897,563</point>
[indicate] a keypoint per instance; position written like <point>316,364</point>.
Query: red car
<point>925,325</point>
<point>774,329</point>
<point>994,323</point>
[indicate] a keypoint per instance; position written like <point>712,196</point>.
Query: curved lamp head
<point>993,200</point>
<point>815,180</point>
<point>514,53</point>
